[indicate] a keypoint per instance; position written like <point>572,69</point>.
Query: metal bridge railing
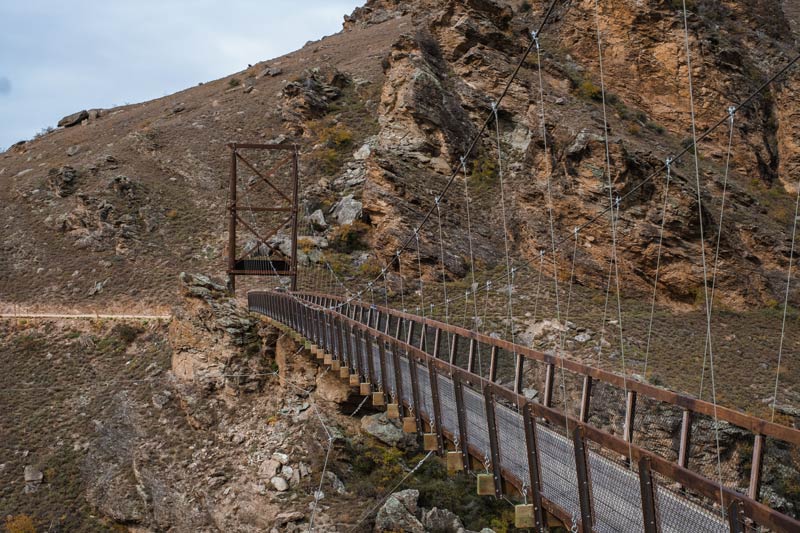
<point>571,468</point>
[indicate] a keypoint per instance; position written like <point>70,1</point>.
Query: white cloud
<point>66,56</point>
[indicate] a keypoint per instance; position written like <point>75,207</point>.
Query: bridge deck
<point>615,489</point>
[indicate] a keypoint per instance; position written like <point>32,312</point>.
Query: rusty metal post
<point>232,226</point>
<point>494,447</point>
<point>549,379</point>
<point>461,411</point>
<point>586,395</point>
<point>437,407</point>
<point>519,363</point>
<point>532,447</point>
<point>437,343</point>
<point>648,488</point>
<point>685,440</point>
<point>630,412</point>
<point>473,345</point>
<point>584,480</point>
<point>756,465</point>
<point>493,364</point>
<point>415,393</point>
<point>295,215</point>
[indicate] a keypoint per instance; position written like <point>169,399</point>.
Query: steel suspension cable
<point>785,304</point>
<point>614,221</point>
<point>703,254</point>
<point>658,267</point>
<point>706,347</point>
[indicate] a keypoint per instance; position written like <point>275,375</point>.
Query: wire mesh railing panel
<point>557,468</point>
<point>677,514</point>
<point>425,395</point>
<point>477,428</point>
<point>376,361</point>
<point>405,375</point>
<point>511,439</point>
<point>390,374</point>
<point>447,400</point>
<point>616,496</point>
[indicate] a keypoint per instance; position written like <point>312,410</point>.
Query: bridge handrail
<point>743,420</point>
<point>752,509</point>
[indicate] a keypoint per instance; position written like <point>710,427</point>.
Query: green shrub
<point>21,523</point>
<point>234,82</point>
<point>587,89</point>
<point>484,173</point>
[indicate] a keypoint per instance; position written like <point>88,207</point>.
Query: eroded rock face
<point>238,338</point>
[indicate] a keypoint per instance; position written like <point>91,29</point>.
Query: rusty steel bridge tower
<point>262,215</point>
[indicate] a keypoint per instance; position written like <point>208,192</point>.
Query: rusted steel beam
<point>493,364</point>
<point>454,350</point>
<point>373,376</point>
<point>437,343</point>
<point>473,345</point>
<point>549,382</point>
<point>436,422</point>
<point>535,481</point>
<point>384,372</point>
<point>754,490</point>
<point>461,412</point>
<point>415,393</point>
<point>232,224</point>
<point>647,485</point>
<point>584,480</point>
<point>586,395</point>
<point>630,413</point>
<point>518,368</point>
<point>494,447</point>
<point>685,439</point>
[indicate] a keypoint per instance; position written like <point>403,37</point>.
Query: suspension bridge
<point>597,449</point>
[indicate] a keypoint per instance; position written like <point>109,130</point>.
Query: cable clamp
<point>575,230</point>
<point>731,111</point>
<point>463,161</point>
<point>436,200</point>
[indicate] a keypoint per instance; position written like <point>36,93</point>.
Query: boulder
<point>317,220</point>
<point>397,514</point>
<point>441,521</point>
<point>279,484</point>
<point>73,119</point>
<point>386,431</point>
<point>347,210</point>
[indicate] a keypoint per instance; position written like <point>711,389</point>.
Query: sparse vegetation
<point>348,237</point>
<point>484,174</point>
<point>588,89</point>
<point>234,82</point>
<point>21,523</point>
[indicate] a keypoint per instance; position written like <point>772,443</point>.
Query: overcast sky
<point>58,57</point>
